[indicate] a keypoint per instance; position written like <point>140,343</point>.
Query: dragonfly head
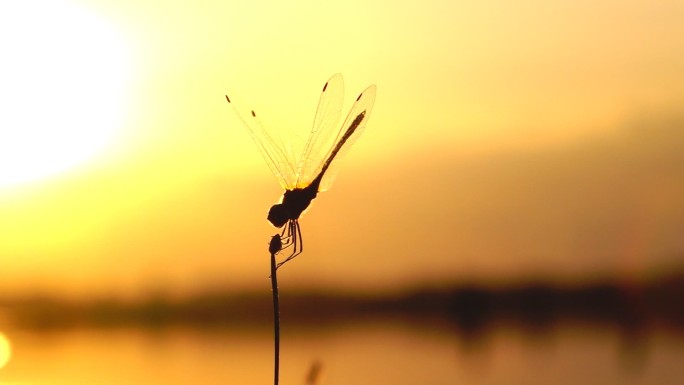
<point>278,215</point>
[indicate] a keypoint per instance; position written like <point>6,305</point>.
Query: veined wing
<point>322,132</point>
<point>352,127</point>
<point>271,149</point>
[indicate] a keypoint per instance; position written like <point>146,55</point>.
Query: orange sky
<point>507,140</point>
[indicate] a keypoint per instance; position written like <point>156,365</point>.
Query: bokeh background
<point>523,166</point>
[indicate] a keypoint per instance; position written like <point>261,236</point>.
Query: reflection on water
<point>381,351</point>
<point>5,350</point>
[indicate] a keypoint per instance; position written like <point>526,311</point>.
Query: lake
<point>397,351</point>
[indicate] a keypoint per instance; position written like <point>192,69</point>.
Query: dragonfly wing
<point>350,131</point>
<point>270,146</point>
<point>323,130</point>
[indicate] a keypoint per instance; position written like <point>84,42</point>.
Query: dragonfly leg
<point>292,239</point>
<point>301,240</point>
<point>286,236</point>
<point>295,232</point>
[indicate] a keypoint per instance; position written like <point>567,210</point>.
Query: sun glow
<point>62,78</point>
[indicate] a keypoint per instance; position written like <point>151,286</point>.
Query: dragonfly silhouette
<point>315,169</point>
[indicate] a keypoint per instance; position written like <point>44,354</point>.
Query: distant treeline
<point>631,307</point>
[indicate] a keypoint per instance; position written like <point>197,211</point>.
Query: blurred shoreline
<point>467,307</point>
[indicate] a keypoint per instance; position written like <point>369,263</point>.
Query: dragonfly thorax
<point>293,205</point>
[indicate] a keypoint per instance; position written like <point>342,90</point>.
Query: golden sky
<point>508,140</point>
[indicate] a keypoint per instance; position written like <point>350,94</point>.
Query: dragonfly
<point>312,171</point>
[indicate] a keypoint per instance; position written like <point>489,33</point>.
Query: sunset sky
<point>509,140</point>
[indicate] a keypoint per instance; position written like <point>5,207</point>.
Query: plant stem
<point>276,318</point>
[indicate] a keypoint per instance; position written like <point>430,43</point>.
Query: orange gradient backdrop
<point>507,141</point>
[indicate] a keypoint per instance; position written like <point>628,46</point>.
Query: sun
<point>62,81</point>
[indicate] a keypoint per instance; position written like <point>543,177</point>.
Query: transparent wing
<point>270,146</point>
<point>322,132</point>
<point>350,131</point>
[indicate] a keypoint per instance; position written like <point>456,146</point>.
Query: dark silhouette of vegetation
<point>468,308</point>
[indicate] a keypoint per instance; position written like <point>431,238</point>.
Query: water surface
<point>387,351</point>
